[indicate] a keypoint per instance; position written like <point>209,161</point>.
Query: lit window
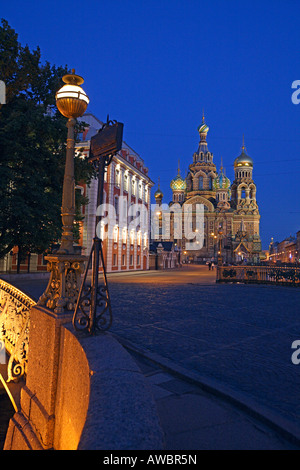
<point>102,232</point>
<point>133,187</point>
<point>132,237</point>
<point>126,182</point>
<point>118,177</point>
<point>139,237</point>
<point>124,235</point>
<point>116,230</point>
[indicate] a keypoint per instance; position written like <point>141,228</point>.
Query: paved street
<point>236,336</point>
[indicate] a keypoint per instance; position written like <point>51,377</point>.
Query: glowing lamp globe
<point>71,99</point>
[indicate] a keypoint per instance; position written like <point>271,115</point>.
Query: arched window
<point>243,194</point>
<point>200,182</point>
<point>210,183</point>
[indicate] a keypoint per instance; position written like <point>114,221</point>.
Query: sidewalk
<point>195,420</point>
<point>220,366</point>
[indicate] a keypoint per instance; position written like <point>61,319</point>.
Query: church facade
<point>228,231</point>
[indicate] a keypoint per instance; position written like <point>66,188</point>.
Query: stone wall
<point>81,392</point>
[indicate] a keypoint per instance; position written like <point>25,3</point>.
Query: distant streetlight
<point>65,265</point>
<point>220,259</point>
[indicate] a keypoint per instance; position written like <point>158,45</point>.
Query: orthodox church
<point>230,223</point>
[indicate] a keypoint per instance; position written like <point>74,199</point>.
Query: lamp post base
<point>64,283</point>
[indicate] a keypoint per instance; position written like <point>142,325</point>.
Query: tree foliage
<point>32,149</point>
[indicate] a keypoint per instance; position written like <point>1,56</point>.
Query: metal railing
<point>14,328</point>
<point>280,275</point>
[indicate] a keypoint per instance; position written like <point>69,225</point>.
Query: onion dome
<point>203,128</point>
<point>158,193</point>
<point>243,159</point>
<point>178,183</point>
<point>221,181</point>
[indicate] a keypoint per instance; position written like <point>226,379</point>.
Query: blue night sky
<point>155,65</point>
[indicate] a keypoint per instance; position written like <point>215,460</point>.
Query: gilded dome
<point>243,160</point>
<point>158,193</point>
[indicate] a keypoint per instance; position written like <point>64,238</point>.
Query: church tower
<point>243,188</point>
<point>202,171</point>
<point>243,200</point>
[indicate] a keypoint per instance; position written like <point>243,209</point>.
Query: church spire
<point>243,145</point>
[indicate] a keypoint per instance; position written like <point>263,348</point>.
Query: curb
<point>281,425</point>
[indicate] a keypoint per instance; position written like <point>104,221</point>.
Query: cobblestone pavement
<point>195,420</point>
<point>240,336</point>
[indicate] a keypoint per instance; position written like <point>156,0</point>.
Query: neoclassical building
<point>126,185</point>
<point>229,225</point>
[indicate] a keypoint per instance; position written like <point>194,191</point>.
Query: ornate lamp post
<point>65,266</point>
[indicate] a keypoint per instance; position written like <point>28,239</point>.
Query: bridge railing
<point>14,328</point>
<point>259,275</point>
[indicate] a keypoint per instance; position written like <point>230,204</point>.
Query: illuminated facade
<point>286,251</point>
<point>126,183</point>
<point>231,216</point>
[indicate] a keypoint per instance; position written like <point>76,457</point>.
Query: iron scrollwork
<point>14,328</point>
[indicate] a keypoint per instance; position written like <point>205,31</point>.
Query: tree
<point>32,149</point>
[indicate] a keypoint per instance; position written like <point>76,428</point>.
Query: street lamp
<point>64,265</point>
<point>214,238</point>
<point>72,102</point>
<point>220,260</point>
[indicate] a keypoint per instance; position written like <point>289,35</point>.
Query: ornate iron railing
<point>259,275</point>
<point>14,328</point>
